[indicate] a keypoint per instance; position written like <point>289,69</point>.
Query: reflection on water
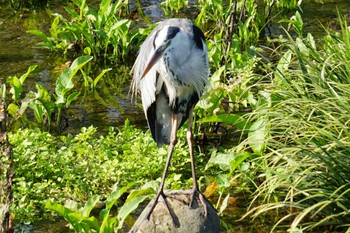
<point>317,16</point>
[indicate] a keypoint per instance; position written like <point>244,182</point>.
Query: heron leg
<point>173,141</point>
<point>195,189</point>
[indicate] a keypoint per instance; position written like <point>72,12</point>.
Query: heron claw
<point>201,198</point>
<point>171,212</point>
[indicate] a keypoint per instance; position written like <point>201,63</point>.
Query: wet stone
<point>188,219</point>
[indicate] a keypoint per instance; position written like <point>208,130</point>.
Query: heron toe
<point>162,195</point>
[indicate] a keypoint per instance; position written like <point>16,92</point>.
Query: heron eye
<point>171,33</point>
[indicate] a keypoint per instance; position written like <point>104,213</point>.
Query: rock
<point>189,219</point>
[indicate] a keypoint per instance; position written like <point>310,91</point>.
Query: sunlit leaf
<point>232,119</point>
<point>89,205</point>
<point>257,135</point>
<point>128,207</point>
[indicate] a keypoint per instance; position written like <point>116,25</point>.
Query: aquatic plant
<point>44,104</point>
<point>102,33</point>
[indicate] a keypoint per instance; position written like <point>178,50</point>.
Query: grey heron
<point>171,72</point>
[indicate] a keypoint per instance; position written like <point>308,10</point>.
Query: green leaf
<point>78,64</point>
<point>232,119</point>
<point>16,87</point>
<point>72,97</point>
<point>108,223</point>
<point>91,222</point>
<point>128,207</point>
<point>257,135</point>
<point>224,204</point>
<point>89,205</point>
<point>222,160</point>
<point>116,194</point>
<point>65,212</point>
<point>63,85</point>
<point>38,111</point>
<point>12,109</point>
<point>239,159</point>
<point>65,80</point>
<point>103,7</point>
<point>24,76</point>
<point>25,103</point>
<point>100,76</point>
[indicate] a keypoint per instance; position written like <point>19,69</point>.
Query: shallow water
<point>18,50</point>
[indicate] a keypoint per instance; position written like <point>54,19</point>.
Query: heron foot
<point>171,212</point>
<point>201,198</point>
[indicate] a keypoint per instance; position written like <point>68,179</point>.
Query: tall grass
<point>305,168</point>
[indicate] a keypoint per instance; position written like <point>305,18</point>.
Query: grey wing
<point>151,100</point>
<point>146,85</point>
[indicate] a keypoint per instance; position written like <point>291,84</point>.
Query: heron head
<point>161,41</point>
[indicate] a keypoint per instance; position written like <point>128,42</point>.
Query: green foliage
<point>43,104</point>
<point>101,33</point>
<point>306,179</point>
<point>170,6</point>
<point>79,217</point>
<point>236,28</point>
<point>55,169</point>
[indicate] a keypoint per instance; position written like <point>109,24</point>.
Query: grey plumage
<point>177,80</point>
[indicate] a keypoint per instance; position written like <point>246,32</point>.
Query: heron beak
<point>157,54</point>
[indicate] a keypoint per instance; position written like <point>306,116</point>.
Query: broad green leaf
<point>139,192</point>
<point>78,64</point>
<point>222,160</point>
<point>91,222</point>
<point>65,80</point>
<point>16,87</point>
<point>116,194</point>
<point>223,180</point>
<point>63,85</point>
<point>25,103</point>
<point>239,159</point>
<point>256,136</point>
<point>65,212</point>
<point>216,77</point>
<point>108,224</point>
<point>232,119</point>
<point>128,207</point>
<point>103,7</point>
<point>58,208</point>
<point>89,205</point>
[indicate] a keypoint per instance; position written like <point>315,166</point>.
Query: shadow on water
<point>18,51</point>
